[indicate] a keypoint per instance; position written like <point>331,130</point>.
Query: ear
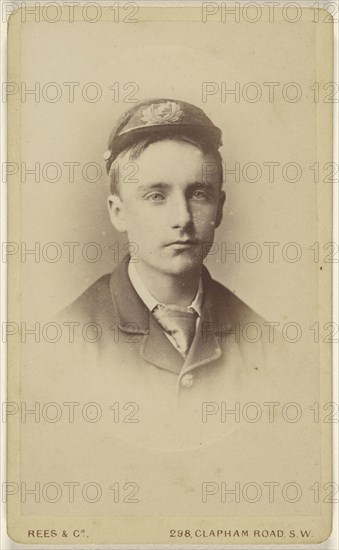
<point>116,213</point>
<point>220,210</point>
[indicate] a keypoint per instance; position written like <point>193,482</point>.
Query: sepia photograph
<point>170,253</point>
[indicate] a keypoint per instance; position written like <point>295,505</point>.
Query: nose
<point>181,216</point>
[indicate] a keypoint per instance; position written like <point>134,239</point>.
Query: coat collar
<point>131,312</point>
<point>134,317</point>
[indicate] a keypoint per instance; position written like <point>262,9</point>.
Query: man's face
<point>171,210</point>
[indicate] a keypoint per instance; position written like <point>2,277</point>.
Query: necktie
<point>179,323</point>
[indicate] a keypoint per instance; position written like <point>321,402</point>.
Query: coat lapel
<point>134,317</point>
<point>157,348</point>
<point>205,346</point>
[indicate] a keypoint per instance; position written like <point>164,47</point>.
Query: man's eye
<point>199,195</point>
<point>155,197</point>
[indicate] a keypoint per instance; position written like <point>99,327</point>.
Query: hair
<point>131,153</point>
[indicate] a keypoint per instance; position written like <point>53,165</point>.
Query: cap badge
<point>162,113</point>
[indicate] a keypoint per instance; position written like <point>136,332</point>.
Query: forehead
<point>173,162</point>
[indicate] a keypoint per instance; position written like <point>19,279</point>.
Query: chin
<point>181,264</point>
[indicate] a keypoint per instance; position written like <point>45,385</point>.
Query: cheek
<point>140,215</point>
<point>140,227</point>
<point>205,217</point>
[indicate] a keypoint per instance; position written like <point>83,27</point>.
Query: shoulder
<point>225,303</point>
<point>250,328</point>
<point>91,304</point>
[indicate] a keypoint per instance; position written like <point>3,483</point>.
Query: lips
<point>188,241</point>
<point>183,243</point>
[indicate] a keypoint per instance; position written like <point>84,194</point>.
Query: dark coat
<point>231,350</point>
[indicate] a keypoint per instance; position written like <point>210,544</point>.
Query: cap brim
<point>208,136</point>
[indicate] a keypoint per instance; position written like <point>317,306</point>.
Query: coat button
<point>187,380</point>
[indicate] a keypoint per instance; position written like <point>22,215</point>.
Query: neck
<point>168,288</point>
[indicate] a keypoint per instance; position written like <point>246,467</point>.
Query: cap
<point>161,118</point>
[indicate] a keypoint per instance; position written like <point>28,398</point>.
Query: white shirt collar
<point>147,297</point>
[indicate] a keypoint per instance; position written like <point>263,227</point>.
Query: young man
<point>166,327</point>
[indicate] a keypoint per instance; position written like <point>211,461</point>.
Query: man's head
<point>165,175</point>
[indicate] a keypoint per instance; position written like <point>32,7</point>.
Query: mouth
<point>183,244</point>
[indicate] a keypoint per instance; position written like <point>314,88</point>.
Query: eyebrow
<point>147,187</point>
<point>166,186</point>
